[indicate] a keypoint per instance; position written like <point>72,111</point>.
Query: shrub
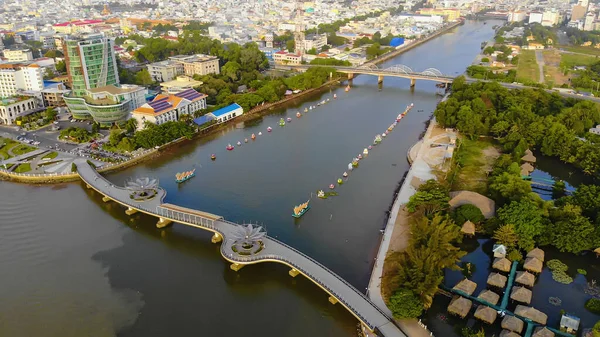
<point>593,305</point>
<point>405,304</point>
<point>557,265</point>
<point>485,59</point>
<point>582,271</point>
<point>73,167</point>
<point>514,255</point>
<point>467,212</point>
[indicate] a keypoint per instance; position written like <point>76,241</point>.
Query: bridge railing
<point>187,217</point>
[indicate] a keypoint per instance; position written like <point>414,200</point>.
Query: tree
<point>143,77</point>
<point>559,189</point>
<point>507,236</point>
<point>48,74</point>
<point>431,196</point>
<point>50,114</point>
<point>467,212</point>
<point>571,232</point>
<point>53,53</point>
<point>290,45</point>
<point>588,198</point>
<point>312,51</point>
<point>405,304</point>
<point>488,50</point>
<point>509,186</point>
<point>115,137</point>
<point>527,219</point>
<point>61,67</point>
<point>126,144</point>
<point>231,69</point>
<point>131,125</point>
<point>95,128</point>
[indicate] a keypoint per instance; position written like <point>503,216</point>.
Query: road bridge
<point>243,245</point>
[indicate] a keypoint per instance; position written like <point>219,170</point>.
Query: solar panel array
<point>189,94</point>
<point>160,104</point>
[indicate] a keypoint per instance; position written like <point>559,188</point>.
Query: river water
<point>75,266</point>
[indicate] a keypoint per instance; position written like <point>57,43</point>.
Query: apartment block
<point>15,77</point>
<point>198,64</point>
<point>165,71</point>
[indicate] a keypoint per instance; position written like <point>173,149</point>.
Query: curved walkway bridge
<point>372,318</point>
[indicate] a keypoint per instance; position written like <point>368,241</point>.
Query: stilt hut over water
<point>501,264</point>
<point>466,286</point>
<point>497,280</point>
<point>512,323</point>
<point>531,313</point>
<point>460,306</point>
<point>543,332</point>
<point>533,265</point>
<point>506,333</point>
<point>521,294</point>
<point>529,157</point>
<point>489,296</point>
<point>468,228</point>
<point>537,253</point>
<point>486,314</point>
<point>525,278</point>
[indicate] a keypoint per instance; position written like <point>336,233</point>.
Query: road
<point>539,57</point>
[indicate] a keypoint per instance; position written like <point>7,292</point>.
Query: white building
<point>15,77</point>
<point>283,57</point>
<point>18,55</point>
<point>536,17</point>
<point>165,71</point>
<point>11,108</point>
<point>588,24</point>
<point>421,18</point>
<point>198,64</point>
<point>169,108</point>
<point>224,114</point>
<point>550,18</point>
<point>516,16</point>
<point>315,41</point>
<point>181,83</point>
<point>595,130</point>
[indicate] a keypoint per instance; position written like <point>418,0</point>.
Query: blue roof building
<point>228,112</point>
<point>204,119</point>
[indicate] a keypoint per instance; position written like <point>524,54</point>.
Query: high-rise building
<point>90,61</point>
<point>588,24</point>
<point>15,77</point>
<point>578,12</point>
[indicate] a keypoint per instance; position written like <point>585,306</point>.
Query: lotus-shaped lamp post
<point>142,188</point>
<point>247,239</point>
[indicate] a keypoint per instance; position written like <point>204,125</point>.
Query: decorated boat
<point>334,96</point>
<point>213,156</point>
<point>350,167</point>
<point>310,107</point>
<point>305,109</point>
<point>377,140</point>
<point>359,156</point>
<point>327,100</point>
<point>253,137</point>
<point>384,134</point>
<point>245,140</point>
<point>298,114</point>
<point>347,88</point>
<point>340,181</point>
<point>229,147</point>
<point>301,209</point>
<point>260,133</point>
<point>354,162</point>
<point>331,186</point>
<point>321,194</point>
<point>184,176</point>
<point>269,129</point>
<point>239,143</point>
<point>289,119</point>
<point>281,122</point>
<point>370,147</point>
<point>345,174</point>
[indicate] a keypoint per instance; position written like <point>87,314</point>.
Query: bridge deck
<point>274,251</point>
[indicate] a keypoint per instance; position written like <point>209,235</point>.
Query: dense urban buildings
<point>165,108</point>
<point>20,76</point>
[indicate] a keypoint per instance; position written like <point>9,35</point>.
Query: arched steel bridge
<point>373,319</point>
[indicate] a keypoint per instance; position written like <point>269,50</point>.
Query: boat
<point>359,156</point>
<point>331,186</point>
<point>347,88</point>
<point>301,209</point>
<point>383,134</point>
<point>390,128</point>
<point>365,152</point>
<point>245,140</point>
<point>305,110</point>
<point>319,104</point>
<point>281,122</point>
<point>229,147</point>
<point>310,107</point>
<point>327,100</point>
<point>412,104</point>
<point>239,143</point>
<point>345,174</point>
<point>260,133</point>
<point>269,129</point>
<point>377,140</point>
<point>399,117</point>
<point>340,181</point>
<point>298,114</point>
<point>321,194</point>
<point>184,176</point>
<point>334,96</point>
<point>289,119</point>
<point>350,167</point>
<point>355,162</point>
<point>253,137</point>
<point>213,156</point>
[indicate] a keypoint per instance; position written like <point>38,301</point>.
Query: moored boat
<point>184,176</point>
<point>305,109</point>
<point>365,152</point>
<point>347,88</point>
<point>245,140</point>
<point>355,162</point>
<point>310,107</point>
<point>253,137</point>
<point>239,143</point>
<point>384,134</point>
<point>350,167</point>
<point>340,181</point>
<point>229,147</point>
<point>213,156</point>
<point>289,119</point>
<point>359,156</point>
<point>334,96</point>
<point>298,114</point>
<point>260,133</point>
<point>345,174</point>
<point>331,186</point>
<point>377,140</point>
<point>281,122</point>
<point>301,209</point>
<point>321,194</point>
<point>269,129</point>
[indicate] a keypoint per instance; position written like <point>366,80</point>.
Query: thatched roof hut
<point>537,253</point>
<point>485,204</point>
<point>486,314</point>
<point>529,157</point>
<point>533,265</point>
<point>512,323</point>
<point>460,306</point>
<point>497,280</point>
<point>597,251</point>
<point>499,251</point>
<point>489,296</point>
<point>466,286</point>
<point>468,228</point>
<point>531,313</point>
<point>525,278</point>
<point>506,333</point>
<point>501,264</point>
<point>521,294</point>
<point>526,169</point>
<point>543,332</point>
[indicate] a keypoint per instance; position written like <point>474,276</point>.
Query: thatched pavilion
<point>531,313</point>
<point>486,314</point>
<point>533,265</point>
<point>526,169</point>
<point>512,323</point>
<point>485,204</point>
<point>489,296</point>
<point>468,228</point>
<point>529,157</point>
<point>521,294</point>
<point>597,251</point>
<point>497,280</point>
<point>525,278</point>
<point>506,333</point>
<point>537,253</point>
<point>460,306</point>
<point>466,286</point>
<point>543,332</point>
<point>501,264</point>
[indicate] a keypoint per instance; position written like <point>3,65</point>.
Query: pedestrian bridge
<point>240,249</point>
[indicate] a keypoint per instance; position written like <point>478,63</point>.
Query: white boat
<point>383,134</point>
<point>365,152</point>
<point>246,140</point>
<point>310,107</point>
<point>350,167</point>
<point>334,96</point>
<point>239,143</point>
<point>345,173</point>
<point>260,133</point>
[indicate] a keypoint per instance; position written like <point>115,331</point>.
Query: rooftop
<point>182,81</point>
<point>114,90</point>
<point>193,58</point>
<point>78,23</point>
<point>226,110</point>
<point>13,100</point>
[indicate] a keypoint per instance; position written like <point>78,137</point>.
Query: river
<point>75,266</point>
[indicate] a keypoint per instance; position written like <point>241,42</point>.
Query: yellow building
<point>451,14</point>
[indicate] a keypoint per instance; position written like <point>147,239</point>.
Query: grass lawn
<point>572,60</point>
<point>528,69</point>
<point>50,155</point>
<point>22,168</point>
<point>582,50</point>
<point>552,71</point>
<point>22,149</point>
<point>474,160</point>
<point>5,144</point>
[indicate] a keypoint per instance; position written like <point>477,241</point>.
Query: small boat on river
<point>355,162</point>
<point>260,133</point>
<point>229,147</point>
<point>359,156</point>
<point>334,96</point>
<point>289,119</point>
<point>269,129</point>
<point>298,114</point>
<point>345,175</point>
<point>365,152</point>
<point>321,194</point>
<point>347,88</point>
<point>282,122</point>
<point>301,209</point>
<point>310,107</point>
<point>370,147</point>
<point>305,109</point>
<point>331,186</point>
<point>340,181</point>
<point>213,156</point>
<point>350,167</point>
<point>253,137</point>
<point>245,140</point>
<point>239,143</point>
<point>377,140</point>
<point>184,176</point>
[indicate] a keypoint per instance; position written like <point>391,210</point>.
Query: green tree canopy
<point>405,304</point>
<point>528,221</point>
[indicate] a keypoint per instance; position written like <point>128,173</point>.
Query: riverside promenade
<point>263,249</point>
<point>422,171</point>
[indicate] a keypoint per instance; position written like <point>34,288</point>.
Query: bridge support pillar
<point>106,199</point>
<point>131,211</point>
<point>236,266</point>
<point>162,223</point>
<point>293,272</point>
<point>333,300</point>
<point>88,186</point>
<point>350,76</point>
<point>216,238</point>
<point>380,79</point>
<point>413,81</point>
